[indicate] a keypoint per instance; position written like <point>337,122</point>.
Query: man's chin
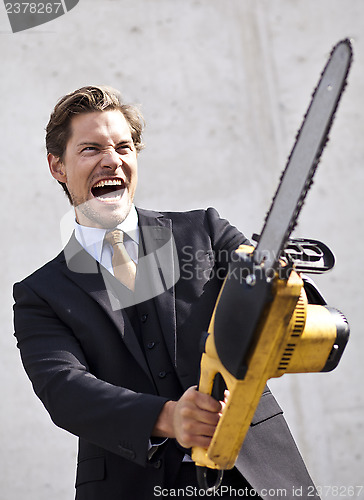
<point>101,214</point>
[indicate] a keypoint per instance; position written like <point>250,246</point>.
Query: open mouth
<point>108,189</point>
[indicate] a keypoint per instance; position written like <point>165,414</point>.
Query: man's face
<point>99,168</point>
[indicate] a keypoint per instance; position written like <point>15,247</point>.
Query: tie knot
<point>115,237</point>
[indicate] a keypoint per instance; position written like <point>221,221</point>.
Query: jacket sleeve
<point>225,237</point>
<point>97,411</point>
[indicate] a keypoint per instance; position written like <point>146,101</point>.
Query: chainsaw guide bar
<point>311,140</point>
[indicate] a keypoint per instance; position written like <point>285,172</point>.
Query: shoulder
<point>44,270</point>
<point>43,277</point>
<point>199,218</point>
<point>201,225</point>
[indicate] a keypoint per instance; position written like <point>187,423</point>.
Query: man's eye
<point>124,148</point>
<point>89,149</point>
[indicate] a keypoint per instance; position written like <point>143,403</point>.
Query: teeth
<point>108,198</point>
<point>108,182</point>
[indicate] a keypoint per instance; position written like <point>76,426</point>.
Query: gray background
<point>223,86</point>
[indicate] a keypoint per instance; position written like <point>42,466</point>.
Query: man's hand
<point>191,420</point>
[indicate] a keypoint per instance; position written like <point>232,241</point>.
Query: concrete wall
<point>223,86</point>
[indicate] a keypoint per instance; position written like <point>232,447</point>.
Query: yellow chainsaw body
<point>292,337</point>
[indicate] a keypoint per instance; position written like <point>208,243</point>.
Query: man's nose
<point>111,159</point>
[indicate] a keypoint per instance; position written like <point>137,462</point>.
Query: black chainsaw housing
<point>245,294</point>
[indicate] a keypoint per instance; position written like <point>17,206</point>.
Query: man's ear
<point>56,168</point>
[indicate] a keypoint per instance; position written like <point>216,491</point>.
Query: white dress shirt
<point>92,240</point>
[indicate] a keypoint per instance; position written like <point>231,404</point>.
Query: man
<point>112,348</point>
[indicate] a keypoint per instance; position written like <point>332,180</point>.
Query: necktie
<point>124,267</point>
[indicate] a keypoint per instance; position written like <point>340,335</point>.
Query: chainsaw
<point>263,325</point>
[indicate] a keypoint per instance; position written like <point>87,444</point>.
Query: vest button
<point>150,345</point>
<point>144,318</point>
<point>162,374</point>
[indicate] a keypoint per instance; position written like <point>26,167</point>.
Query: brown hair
<point>87,100</point>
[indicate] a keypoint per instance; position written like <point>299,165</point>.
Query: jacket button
<point>150,345</point>
<point>157,464</point>
<point>162,374</point>
<point>144,318</point>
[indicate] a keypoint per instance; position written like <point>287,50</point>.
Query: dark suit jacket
<point>88,368</point>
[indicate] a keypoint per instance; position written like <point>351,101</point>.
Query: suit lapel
<point>86,273</point>
<point>158,258</point>
<point>157,241</point>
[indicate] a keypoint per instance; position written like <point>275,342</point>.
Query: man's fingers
<point>193,413</point>
<point>202,441</point>
<point>192,433</point>
<point>203,401</point>
<point>195,418</point>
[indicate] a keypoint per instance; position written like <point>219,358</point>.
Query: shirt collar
<point>92,238</point>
